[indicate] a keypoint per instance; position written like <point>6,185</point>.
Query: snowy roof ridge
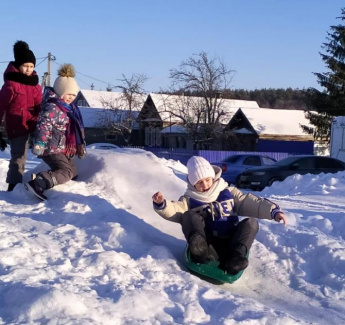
<point>277,121</point>
<point>105,99</point>
<point>167,105</point>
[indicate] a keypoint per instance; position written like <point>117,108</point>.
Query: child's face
<point>27,68</point>
<point>204,184</point>
<point>68,98</point>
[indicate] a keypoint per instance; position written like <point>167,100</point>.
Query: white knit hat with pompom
<point>199,168</point>
<point>65,83</point>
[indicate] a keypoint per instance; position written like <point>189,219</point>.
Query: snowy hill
<point>96,253</point>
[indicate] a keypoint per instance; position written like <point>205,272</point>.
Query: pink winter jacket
<point>20,99</point>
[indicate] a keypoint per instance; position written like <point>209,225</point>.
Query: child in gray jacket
<point>209,215</point>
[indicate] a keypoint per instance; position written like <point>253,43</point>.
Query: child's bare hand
<point>280,216</point>
<point>158,198</point>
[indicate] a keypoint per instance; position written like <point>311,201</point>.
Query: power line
<point>36,59</point>
<point>41,61</point>
<point>80,73</point>
<point>104,82</point>
<point>82,81</point>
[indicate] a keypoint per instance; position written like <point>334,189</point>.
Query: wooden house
<point>265,129</point>
<point>163,117</point>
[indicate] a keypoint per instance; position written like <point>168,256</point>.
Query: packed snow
<point>97,253</point>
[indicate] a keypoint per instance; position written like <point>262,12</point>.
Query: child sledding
<point>209,214</point>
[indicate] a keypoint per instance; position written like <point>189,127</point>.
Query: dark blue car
<point>260,177</point>
<point>233,166</point>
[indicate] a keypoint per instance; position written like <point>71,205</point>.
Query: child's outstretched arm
<point>280,216</point>
<point>158,198</point>
<point>170,210</point>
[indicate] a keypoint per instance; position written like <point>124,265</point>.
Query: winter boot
<point>198,248</point>
<point>236,261</point>
<point>11,187</point>
<point>35,186</point>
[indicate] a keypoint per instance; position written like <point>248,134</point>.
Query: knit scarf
<point>74,135</point>
<point>21,78</point>
<point>209,196</point>
<point>12,73</point>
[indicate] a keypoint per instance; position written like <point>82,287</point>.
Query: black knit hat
<point>22,54</point>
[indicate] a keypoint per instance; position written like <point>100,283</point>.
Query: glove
<point>38,148</point>
<point>3,143</point>
<point>81,151</point>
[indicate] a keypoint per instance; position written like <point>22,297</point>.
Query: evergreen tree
<point>331,101</point>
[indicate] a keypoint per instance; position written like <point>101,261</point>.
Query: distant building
<point>100,109</point>
<point>159,120</point>
<point>161,112</point>
<point>266,129</point>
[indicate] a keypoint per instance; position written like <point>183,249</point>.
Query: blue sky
<point>269,43</point>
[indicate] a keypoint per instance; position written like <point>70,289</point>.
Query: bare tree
<point>131,87</point>
<point>208,78</point>
<point>121,111</point>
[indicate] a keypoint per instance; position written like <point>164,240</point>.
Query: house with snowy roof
<point>109,99</point>
<point>100,109</point>
<point>162,118</point>
<point>266,129</point>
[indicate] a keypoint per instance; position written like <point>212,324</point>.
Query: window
<point>306,163</point>
<point>267,161</point>
<point>252,161</point>
<point>182,142</point>
<point>147,136</point>
<point>158,137</point>
<point>82,102</point>
<point>325,163</point>
<point>153,137</point>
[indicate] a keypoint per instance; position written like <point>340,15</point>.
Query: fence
<point>212,156</point>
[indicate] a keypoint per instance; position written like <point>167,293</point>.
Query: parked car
<point>103,146</point>
<point>234,165</point>
<point>259,178</point>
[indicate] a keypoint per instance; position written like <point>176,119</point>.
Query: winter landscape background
<point>96,253</point>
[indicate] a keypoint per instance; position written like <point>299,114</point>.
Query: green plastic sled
<point>210,270</point>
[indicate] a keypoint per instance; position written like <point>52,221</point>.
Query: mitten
<point>81,151</point>
<point>38,148</point>
<point>3,143</point>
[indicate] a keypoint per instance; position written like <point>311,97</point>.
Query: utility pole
<point>47,75</point>
<point>49,69</point>
<point>44,80</point>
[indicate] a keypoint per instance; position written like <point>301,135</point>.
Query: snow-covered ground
<point>96,252</point>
